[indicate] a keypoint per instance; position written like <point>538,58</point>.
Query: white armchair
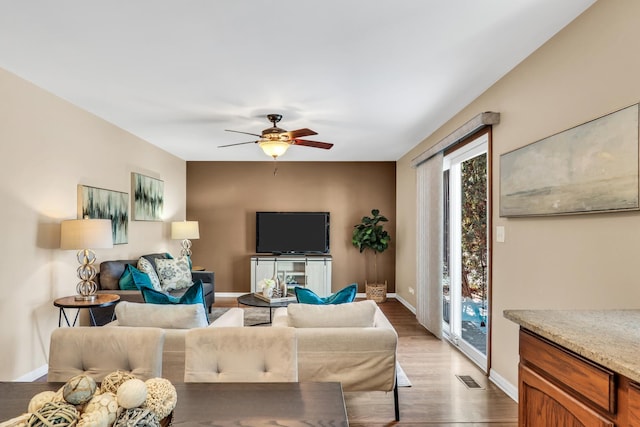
<point>99,351</point>
<point>175,320</point>
<point>241,355</point>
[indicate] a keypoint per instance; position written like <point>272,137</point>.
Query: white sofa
<point>176,320</point>
<point>353,343</point>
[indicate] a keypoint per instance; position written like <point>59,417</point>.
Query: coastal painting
<point>586,169</point>
<point>98,203</point>
<point>148,198</point>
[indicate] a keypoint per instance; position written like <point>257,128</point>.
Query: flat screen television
<point>292,232</point>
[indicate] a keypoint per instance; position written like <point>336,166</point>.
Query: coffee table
<point>253,301</point>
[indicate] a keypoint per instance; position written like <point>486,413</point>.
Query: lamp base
<point>85,297</point>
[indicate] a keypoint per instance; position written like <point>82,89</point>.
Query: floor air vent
<point>468,381</point>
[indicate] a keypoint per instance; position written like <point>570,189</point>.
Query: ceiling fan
<point>275,141</point>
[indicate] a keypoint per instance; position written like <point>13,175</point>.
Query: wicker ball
<point>104,403</point>
<point>79,389</point>
<point>93,419</point>
<point>131,393</point>
<point>19,421</point>
<point>54,413</point>
<point>113,380</point>
<point>161,397</point>
<point>137,417</point>
<point>40,399</point>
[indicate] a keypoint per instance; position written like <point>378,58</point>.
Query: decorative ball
<point>112,381</point>
<point>19,421</point>
<point>93,419</point>
<point>79,389</point>
<point>137,417</point>
<point>104,403</point>
<point>40,399</point>
<point>54,413</point>
<point>131,393</point>
<point>161,397</point>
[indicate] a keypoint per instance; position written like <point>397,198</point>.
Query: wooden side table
<point>101,300</point>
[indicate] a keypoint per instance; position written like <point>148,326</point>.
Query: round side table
<point>101,300</point>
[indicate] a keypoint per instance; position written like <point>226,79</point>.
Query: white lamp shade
<point>86,234</point>
<point>185,230</point>
<point>273,148</point>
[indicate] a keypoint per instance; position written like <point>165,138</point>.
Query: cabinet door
<point>317,279</point>
<point>543,404</point>
<point>262,268</point>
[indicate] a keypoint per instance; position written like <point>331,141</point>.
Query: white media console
<point>311,271</point>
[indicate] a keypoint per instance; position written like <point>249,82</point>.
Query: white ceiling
<point>373,77</point>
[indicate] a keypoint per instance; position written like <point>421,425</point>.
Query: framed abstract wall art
<point>148,198</point>
<point>98,203</point>
<point>586,169</point>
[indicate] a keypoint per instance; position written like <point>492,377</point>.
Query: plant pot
<point>376,291</point>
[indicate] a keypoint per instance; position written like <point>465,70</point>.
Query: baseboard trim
<point>34,375</point>
<point>406,304</point>
<point>504,385</point>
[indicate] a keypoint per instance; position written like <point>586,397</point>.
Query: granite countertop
<point>610,338</point>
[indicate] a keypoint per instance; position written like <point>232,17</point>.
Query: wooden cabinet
<point>560,388</point>
<point>312,272</point>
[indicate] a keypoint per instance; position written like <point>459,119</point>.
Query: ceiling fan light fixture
<point>273,148</point>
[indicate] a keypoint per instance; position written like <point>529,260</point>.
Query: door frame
<point>486,367</point>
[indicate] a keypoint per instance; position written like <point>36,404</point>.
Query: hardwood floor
<point>437,397</point>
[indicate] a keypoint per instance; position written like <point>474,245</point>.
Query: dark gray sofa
<point>109,277</point>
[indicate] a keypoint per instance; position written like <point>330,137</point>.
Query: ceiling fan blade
<point>314,144</point>
<point>246,133</point>
<point>238,143</point>
<point>300,132</point>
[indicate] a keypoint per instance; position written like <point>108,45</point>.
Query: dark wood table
<point>223,404</point>
<point>101,300</point>
<point>253,301</point>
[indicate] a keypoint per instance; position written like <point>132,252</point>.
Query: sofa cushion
<point>307,296</point>
<point>179,316</point>
<point>146,267</point>
<point>193,295</point>
<point>174,273</point>
<point>359,314</point>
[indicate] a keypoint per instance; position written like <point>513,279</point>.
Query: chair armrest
<point>205,276</point>
<point>234,317</point>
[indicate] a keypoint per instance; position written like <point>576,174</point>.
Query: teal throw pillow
<point>307,296</point>
<point>193,295</point>
<point>139,278</point>
<point>126,282</point>
<point>347,294</point>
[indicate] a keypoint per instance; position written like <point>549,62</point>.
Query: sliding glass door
<point>466,248</point>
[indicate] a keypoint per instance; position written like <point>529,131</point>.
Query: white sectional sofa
<point>352,343</point>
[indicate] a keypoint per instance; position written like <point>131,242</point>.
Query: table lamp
<point>185,230</point>
<point>84,235</point>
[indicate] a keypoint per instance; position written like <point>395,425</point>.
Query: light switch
<point>500,233</point>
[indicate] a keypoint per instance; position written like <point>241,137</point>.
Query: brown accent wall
<point>224,196</point>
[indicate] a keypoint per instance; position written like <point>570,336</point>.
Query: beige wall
<point>224,196</point>
<point>48,147</point>
<point>589,69</point>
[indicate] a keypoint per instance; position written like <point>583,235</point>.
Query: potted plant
<point>370,234</point>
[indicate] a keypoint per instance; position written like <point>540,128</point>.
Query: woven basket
<point>376,291</point>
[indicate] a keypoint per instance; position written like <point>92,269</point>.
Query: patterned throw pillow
<point>174,273</point>
<point>145,266</point>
